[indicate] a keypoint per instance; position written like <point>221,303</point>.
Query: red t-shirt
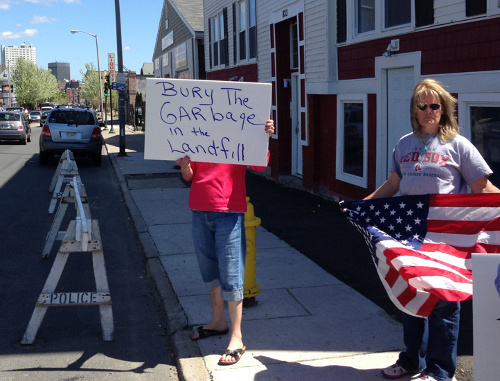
<point>219,187</point>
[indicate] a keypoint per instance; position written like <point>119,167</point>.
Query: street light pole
<point>121,99</point>
<point>98,64</point>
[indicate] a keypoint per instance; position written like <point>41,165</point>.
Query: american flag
<point>422,245</point>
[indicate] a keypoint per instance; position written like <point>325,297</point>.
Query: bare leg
<point>218,321</point>
<point>236,341</point>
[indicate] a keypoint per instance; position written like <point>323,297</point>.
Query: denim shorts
<point>220,245</point>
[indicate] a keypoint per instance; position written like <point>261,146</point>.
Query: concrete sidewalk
<point>306,324</point>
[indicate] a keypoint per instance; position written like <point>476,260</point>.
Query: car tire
<point>24,141</point>
<point>43,158</point>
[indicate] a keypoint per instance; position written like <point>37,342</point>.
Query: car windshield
<point>71,117</point>
<point>8,117</point>
<point>35,113</point>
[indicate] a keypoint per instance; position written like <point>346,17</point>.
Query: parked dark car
<point>74,129</point>
<point>14,126</point>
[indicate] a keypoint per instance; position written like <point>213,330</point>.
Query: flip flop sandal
<point>203,333</point>
<point>234,353</point>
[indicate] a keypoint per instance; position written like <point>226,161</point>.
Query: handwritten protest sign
<point>210,121</point>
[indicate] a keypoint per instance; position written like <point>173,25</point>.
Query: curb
<point>187,355</point>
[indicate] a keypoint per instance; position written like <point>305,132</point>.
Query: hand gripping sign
<point>210,121</point>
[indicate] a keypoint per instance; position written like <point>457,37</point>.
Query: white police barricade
<point>82,236</point>
<point>66,170</point>
<point>68,197</point>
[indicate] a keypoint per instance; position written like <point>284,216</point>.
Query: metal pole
<point>121,99</point>
<point>8,82</point>
<point>98,63</point>
<point>99,70</point>
<point>112,130</point>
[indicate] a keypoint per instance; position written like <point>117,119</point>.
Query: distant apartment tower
<point>60,70</point>
<point>10,54</point>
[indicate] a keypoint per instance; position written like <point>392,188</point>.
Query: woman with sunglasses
<point>433,159</point>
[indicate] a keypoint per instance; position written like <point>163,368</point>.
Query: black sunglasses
<point>433,106</point>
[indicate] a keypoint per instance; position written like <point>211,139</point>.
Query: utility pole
<point>121,99</point>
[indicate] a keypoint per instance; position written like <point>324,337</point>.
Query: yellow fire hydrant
<point>250,287</point>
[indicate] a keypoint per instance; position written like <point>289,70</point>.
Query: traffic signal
<point>106,88</point>
<point>11,88</point>
<point>108,80</point>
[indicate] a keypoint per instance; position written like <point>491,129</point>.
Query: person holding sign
<point>217,199</point>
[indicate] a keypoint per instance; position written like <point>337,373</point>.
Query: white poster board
<point>209,121</point>
<point>486,311</point>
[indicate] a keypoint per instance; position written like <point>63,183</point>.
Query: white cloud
<point>13,35</point>
<point>42,20</point>
<point>127,48</point>
<point>5,4</point>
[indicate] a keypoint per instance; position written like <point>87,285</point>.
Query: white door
<point>296,127</point>
<point>400,85</point>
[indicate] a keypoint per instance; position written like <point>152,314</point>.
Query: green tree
<point>139,100</point>
<point>24,79</point>
<point>90,90</point>
<point>33,84</point>
<point>49,87</point>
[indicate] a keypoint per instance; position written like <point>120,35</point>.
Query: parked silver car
<point>14,126</point>
<point>75,129</point>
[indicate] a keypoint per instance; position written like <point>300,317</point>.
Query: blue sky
<point>47,24</point>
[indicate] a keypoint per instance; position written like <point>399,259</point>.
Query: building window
<point>485,135</point>
<point>365,16</point>
<point>242,33</point>
<point>219,39</point>
<point>252,29</point>
<point>352,139</point>
<point>247,30</point>
<point>475,7</point>
<point>397,12</point>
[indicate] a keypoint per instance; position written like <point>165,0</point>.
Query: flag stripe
<point>462,227</point>
<point>463,213</point>
<point>464,200</point>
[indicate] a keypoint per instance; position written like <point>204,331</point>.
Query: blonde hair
<point>448,125</point>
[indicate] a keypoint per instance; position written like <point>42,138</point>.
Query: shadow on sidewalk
<point>318,229</point>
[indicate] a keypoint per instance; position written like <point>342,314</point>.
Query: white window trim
<point>343,176</point>
<point>466,101</point>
